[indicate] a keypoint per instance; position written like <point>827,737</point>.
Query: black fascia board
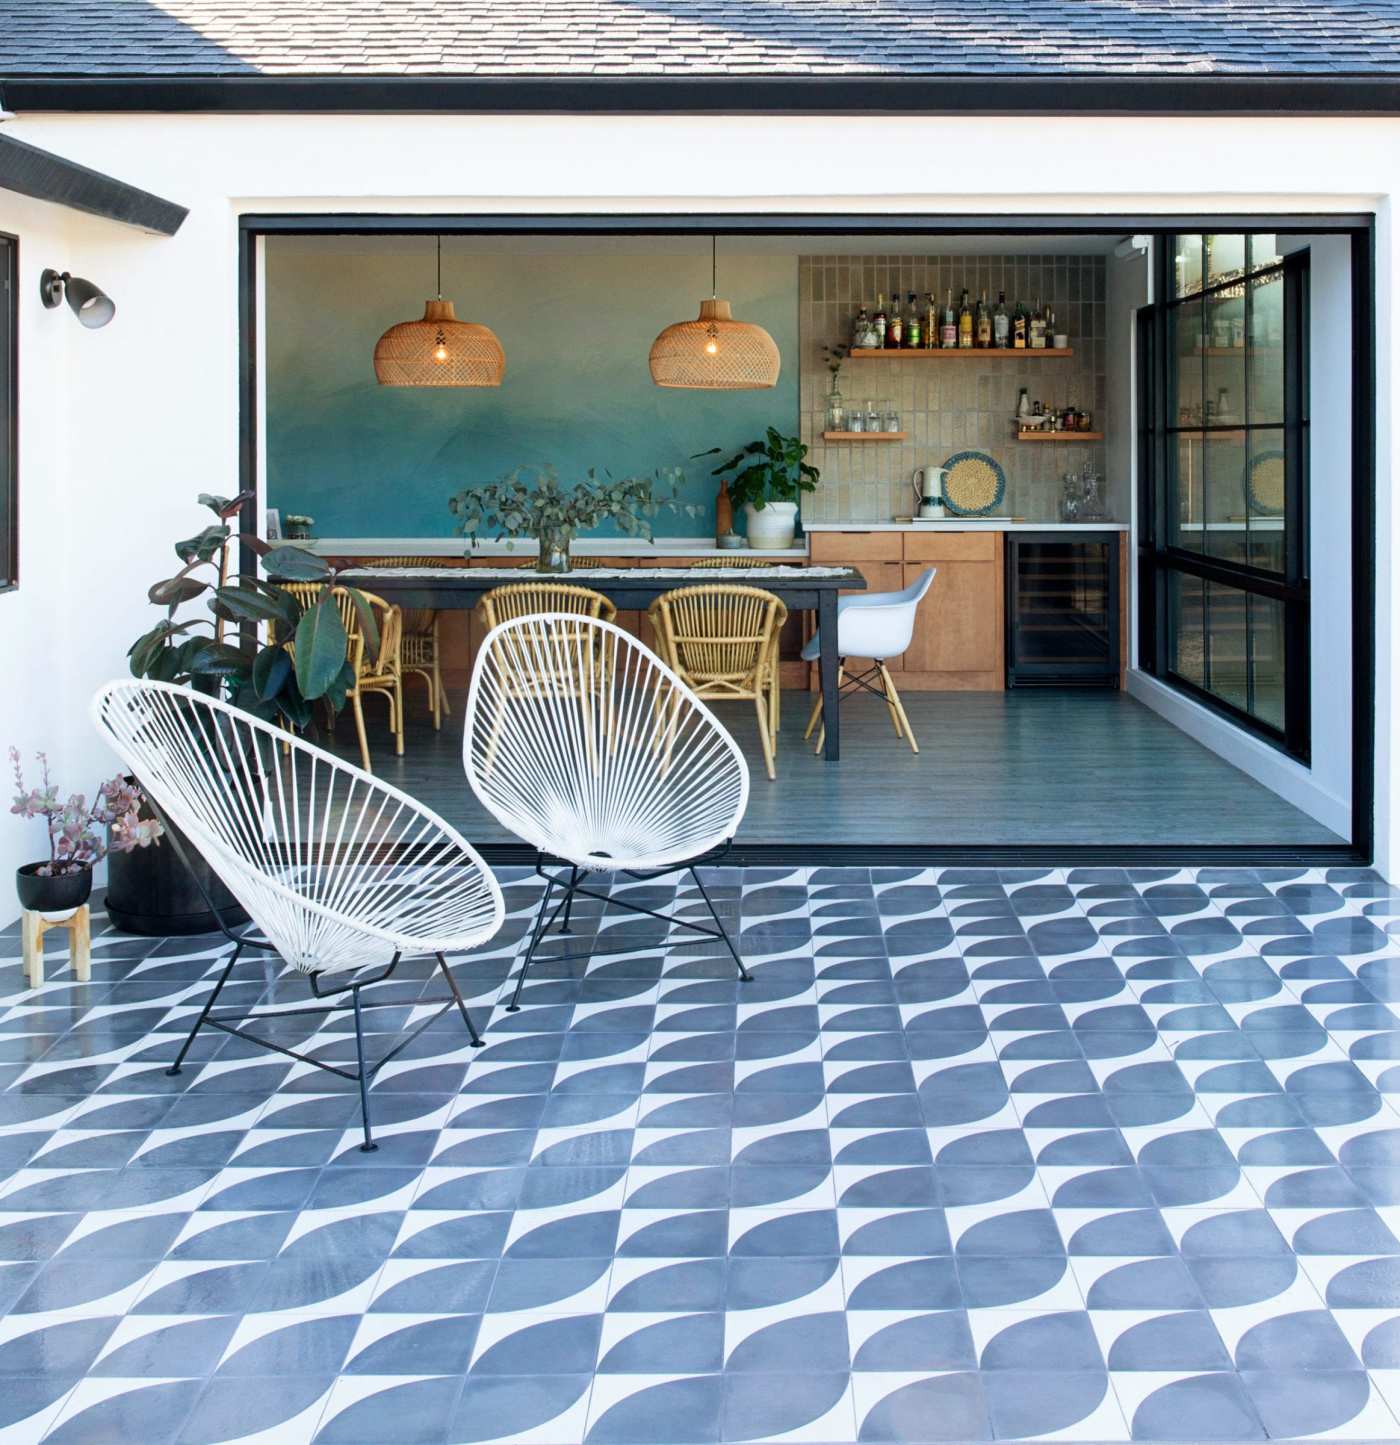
<point>1277,93</point>
<point>48,177</point>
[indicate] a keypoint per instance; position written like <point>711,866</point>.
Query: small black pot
<point>59,894</point>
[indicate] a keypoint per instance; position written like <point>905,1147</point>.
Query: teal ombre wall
<point>576,317</point>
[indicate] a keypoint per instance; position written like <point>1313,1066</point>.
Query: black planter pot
<point>60,894</point>
<point>156,891</point>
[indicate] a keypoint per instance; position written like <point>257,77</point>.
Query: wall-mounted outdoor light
<point>92,306</point>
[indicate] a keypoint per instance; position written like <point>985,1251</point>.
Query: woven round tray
<point>1266,484</point>
<point>973,484</point>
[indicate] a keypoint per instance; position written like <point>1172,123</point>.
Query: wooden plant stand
<point>33,927</point>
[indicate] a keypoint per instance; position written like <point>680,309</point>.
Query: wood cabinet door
<point>958,634</point>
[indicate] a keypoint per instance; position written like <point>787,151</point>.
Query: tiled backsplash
<point>948,406</point>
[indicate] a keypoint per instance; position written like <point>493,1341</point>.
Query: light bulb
<point>712,347</point>
<point>440,354</point>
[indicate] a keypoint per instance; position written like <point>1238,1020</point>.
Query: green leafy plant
<point>835,357</point>
<point>772,469</point>
<point>531,502</point>
<point>259,674</point>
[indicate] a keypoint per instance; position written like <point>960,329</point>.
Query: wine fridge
<point>1062,625</point>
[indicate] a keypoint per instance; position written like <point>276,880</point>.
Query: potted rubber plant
<point>81,834</point>
<point>769,478</point>
<point>225,634</point>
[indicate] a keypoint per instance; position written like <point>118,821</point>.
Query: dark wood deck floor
<point>1034,766</point>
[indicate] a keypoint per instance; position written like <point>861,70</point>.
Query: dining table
<point>801,588</point>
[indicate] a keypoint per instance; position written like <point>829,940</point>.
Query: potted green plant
<point>531,502</point>
<point>770,476</point>
<point>80,835</point>
<point>231,648</point>
<point>298,527</point>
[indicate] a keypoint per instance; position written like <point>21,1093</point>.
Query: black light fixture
<point>91,305</point>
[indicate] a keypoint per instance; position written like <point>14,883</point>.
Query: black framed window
<point>1223,552</point>
<point>9,412</point>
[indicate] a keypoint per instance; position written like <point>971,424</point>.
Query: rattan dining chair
<point>733,559</point>
<point>339,872</point>
<point>879,626</point>
<point>420,648</point>
<point>376,670</point>
<point>722,639</point>
<point>608,765</point>
<point>522,599</point>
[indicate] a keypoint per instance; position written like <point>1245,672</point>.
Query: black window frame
<point>1160,560</point>
<point>9,414</point>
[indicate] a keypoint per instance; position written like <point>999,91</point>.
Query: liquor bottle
<point>983,322</point>
<point>964,323</point>
<point>948,332</point>
<point>894,333</point>
<point>1020,324</point>
<point>913,327</point>
<point>1001,324</point>
<point>860,328</point>
<point>1049,326</point>
<point>931,322</point>
<point>882,321</point>
<point>1037,328</point>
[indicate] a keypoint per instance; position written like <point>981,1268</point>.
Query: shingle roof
<point>698,38</point>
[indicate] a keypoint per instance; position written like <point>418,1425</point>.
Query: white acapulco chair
<point>338,870</point>
<point>606,763</point>
<point>877,625</point>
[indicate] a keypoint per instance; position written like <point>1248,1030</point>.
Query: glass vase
<point>554,548</point>
<point>835,411</point>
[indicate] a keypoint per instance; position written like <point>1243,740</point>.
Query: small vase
<point>724,511</point>
<point>835,411</point>
<point>60,895</point>
<point>771,527</point>
<point>554,548</point>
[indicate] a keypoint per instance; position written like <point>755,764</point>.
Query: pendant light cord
<point>439,264</point>
<point>714,271</point>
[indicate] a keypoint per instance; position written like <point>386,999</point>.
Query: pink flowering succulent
<point>81,834</point>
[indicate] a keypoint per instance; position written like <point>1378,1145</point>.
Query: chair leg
<point>205,1011</point>
<point>565,925</point>
<point>398,716</point>
<point>897,705</point>
<point>514,1005</point>
<point>461,1004</point>
<point>369,1146</point>
<point>724,932</point>
<point>358,709</point>
<point>891,701</point>
<point>816,714</point>
<point>762,708</point>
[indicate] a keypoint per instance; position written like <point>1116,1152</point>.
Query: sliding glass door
<point>1223,408</point>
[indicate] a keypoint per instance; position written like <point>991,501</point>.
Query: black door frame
<point>1359,226</point>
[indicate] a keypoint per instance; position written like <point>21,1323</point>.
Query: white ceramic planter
<point>771,528</point>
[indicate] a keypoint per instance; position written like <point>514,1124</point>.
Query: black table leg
<point>829,664</point>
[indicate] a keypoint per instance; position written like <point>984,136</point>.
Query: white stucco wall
<point>121,428</point>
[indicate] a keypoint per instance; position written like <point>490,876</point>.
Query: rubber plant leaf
<point>295,564</point>
<point>271,668</point>
<point>320,648</point>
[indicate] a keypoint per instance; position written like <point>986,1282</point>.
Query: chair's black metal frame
<point>232,1024</point>
<point>573,888</point>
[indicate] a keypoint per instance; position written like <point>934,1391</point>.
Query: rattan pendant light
<point>439,350</point>
<point>715,352</point>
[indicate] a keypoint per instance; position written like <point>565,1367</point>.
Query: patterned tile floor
<point>1097,1155</point>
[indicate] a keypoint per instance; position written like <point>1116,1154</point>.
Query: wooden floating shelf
<point>1059,436</point>
<point>974,353</point>
<point>865,436</point>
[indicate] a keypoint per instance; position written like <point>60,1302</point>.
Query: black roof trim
<point>47,177</point>
<point>1103,94</point>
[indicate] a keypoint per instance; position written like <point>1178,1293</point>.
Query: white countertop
<point>966,524</point>
<point>527,547</point>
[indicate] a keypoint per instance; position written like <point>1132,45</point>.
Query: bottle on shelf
<point>860,328</point>
<point>913,327</point>
<point>982,323</point>
<point>965,333</point>
<point>1037,329</point>
<point>1001,324</point>
<point>1023,404</point>
<point>931,322</point>
<point>882,321</point>
<point>894,333</point>
<point>1020,325</point>
<point>948,331</point>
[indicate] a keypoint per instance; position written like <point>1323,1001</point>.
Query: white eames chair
<point>339,871</point>
<point>877,625</point>
<point>583,743</point>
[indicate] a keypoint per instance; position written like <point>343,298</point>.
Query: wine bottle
<point>983,322</point>
<point>964,323</point>
<point>882,321</point>
<point>948,332</point>
<point>894,335</point>
<point>931,322</point>
<point>913,327</point>
<point>1037,328</point>
<point>1001,324</point>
